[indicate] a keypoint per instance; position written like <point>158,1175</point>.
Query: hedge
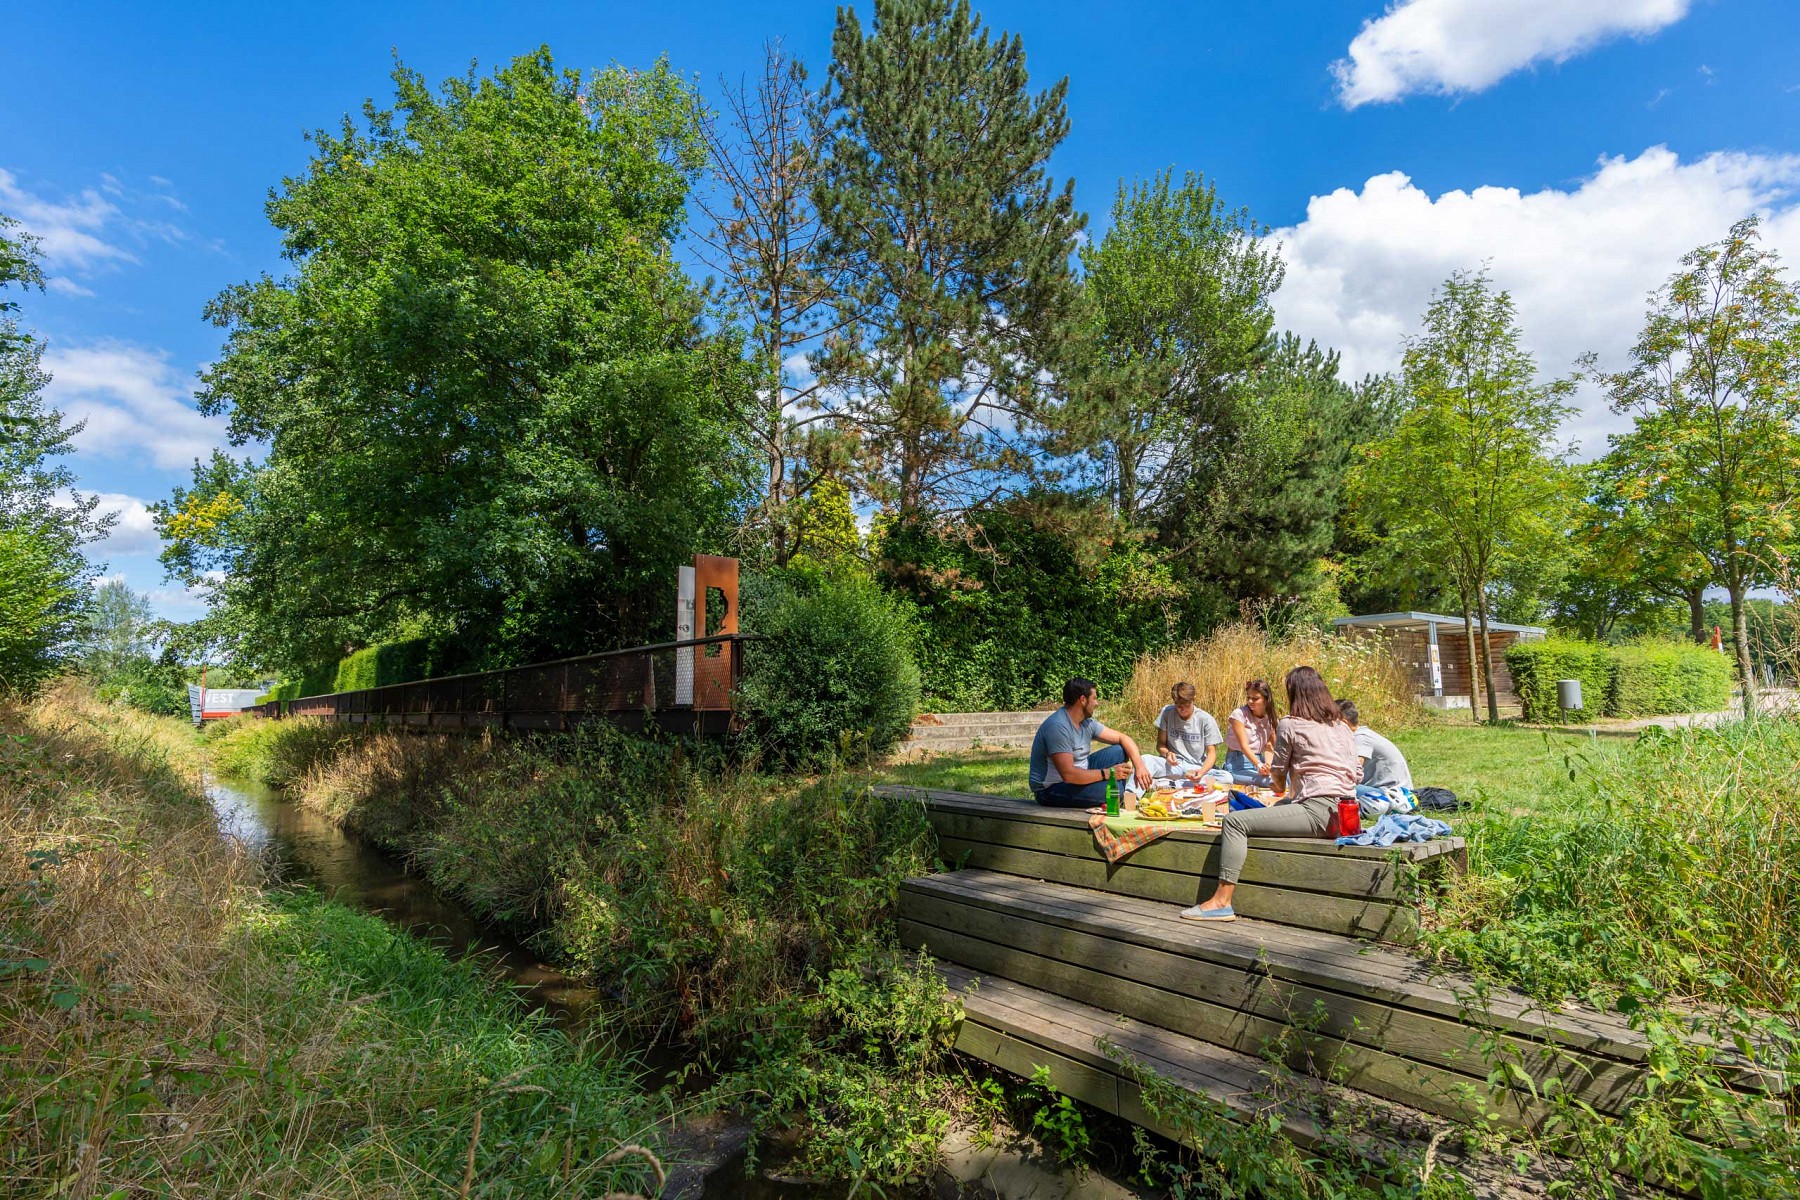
<point>1634,680</point>
<point>374,666</point>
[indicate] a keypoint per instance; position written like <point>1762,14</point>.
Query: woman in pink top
<point>1315,765</point>
<point>1250,735</point>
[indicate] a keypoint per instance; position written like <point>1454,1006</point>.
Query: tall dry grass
<point>1218,665</point>
<point>170,1029</point>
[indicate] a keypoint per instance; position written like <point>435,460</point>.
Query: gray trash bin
<point>1568,694</point>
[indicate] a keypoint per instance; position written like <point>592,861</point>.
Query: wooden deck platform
<point>1101,1058</point>
<point>1030,925</point>
<point>1306,882</point>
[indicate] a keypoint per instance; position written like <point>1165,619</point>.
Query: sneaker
<point>1197,913</point>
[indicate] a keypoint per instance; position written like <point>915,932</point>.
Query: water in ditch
<point>303,847</point>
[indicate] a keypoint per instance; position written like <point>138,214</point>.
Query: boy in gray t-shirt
<point>1187,737</point>
<point>1383,764</point>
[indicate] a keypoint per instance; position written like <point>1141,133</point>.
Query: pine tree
<point>954,247</point>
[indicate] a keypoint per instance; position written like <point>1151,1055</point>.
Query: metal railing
<point>684,687</point>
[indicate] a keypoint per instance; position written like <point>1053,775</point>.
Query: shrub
<point>1027,594</point>
<point>1536,667</point>
<point>372,666</point>
<point>1355,668</point>
<point>832,672</point>
<point>1705,679</point>
<point>1634,680</point>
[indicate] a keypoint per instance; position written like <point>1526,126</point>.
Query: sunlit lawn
<point>1494,770</point>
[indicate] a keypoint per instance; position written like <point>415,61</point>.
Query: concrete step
<point>952,720</point>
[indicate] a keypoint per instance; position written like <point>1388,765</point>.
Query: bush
<point>833,671</point>
<point>1638,679</point>
<point>1026,595</point>
<point>1536,667</point>
<point>1355,668</point>
<point>372,666</point>
<point>1705,679</point>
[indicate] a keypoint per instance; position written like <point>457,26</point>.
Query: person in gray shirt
<point>1066,772</point>
<point>1187,737</point>
<point>1383,764</point>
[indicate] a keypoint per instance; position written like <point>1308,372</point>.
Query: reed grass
<point>1355,668</point>
<point>1671,867</point>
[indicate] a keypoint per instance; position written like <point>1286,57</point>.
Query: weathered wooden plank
<point>1416,1084</point>
<point>1025,810</point>
<point>1289,953</point>
<point>1358,878</point>
<point>1310,910</point>
<point>1342,1037</point>
<point>1010,1012</point>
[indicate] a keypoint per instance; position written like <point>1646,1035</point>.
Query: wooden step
<point>1312,883</point>
<point>1106,1060</point>
<point>1369,1017</point>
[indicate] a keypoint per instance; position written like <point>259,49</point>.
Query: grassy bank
<point>170,1028</point>
<point>744,916</point>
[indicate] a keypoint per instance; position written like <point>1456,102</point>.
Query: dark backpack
<point>1435,799</point>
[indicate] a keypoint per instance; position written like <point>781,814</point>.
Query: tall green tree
<point>44,522</point>
<point>1471,476</point>
<point>953,244</point>
<point>1176,315</point>
<point>488,405</point>
<point>1258,503</point>
<point>1714,382</point>
<point>121,628</point>
<point>762,233</point>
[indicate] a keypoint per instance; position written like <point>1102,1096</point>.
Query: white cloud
<point>134,532</point>
<point>177,604</point>
<point>63,285</point>
<point>1579,262</point>
<point>85,232</point>
<point>1443,47</point>
<point>135,404</point>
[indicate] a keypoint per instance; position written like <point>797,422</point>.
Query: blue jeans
<point>1245,771</point>
<point>1084,795</point>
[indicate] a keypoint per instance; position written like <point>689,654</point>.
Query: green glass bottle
<point>1112,795</point>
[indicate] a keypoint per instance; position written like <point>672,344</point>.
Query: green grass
<point>1497,768</point>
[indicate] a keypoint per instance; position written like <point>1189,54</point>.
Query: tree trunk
<point>1468,617</point>
<point>1696,600</point>
<point>1127,467</point>
<point>1487,662</point>
<point>1740,642</point>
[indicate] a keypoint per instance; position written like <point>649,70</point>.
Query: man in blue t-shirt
<point>1064,774</point>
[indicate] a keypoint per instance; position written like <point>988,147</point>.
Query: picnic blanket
<point>1120,835</point>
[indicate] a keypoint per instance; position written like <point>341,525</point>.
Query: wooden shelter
<point>1435,651</point>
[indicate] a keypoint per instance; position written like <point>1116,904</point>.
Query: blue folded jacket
<point>1398,827</point>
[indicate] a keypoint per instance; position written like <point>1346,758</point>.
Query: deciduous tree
<point>1471,476</point>
<point>761,233</point>
<point>44,522</point>
<point>488,406</point>
<point>1714,382</point>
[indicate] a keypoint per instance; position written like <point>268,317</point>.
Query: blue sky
<point>1579,146</point>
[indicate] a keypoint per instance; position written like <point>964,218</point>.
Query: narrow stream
<point>303,847</point>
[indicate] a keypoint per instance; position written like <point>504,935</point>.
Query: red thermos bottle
<point>1349,816</point>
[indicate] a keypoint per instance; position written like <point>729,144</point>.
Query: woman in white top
<point>1250,735</point>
